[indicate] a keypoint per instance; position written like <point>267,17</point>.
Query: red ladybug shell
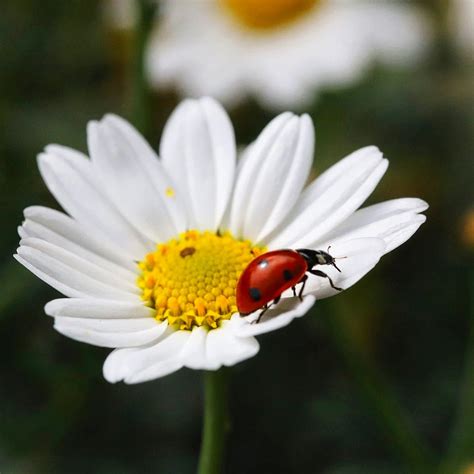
<point>267,277</point>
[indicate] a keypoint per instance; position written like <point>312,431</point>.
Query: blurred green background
<point>323,395</point>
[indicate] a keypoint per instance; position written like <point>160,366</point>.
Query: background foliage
<point>317,396</point>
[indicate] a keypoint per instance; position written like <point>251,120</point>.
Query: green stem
<point>141,110</point>
<point>461,444</point>
<point>216,421</point>
<point>388,412</point>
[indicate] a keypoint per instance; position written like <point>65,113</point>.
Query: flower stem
<point>379,397</point>
<point>461,443</point>
<point>216,421</point>
<point>140,93</point>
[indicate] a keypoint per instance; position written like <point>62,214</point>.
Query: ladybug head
<point>317,257</point>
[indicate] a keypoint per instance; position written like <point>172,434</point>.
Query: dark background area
<point>304,404</point>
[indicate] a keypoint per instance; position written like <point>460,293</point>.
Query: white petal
<point>272,176</point>
<point>108,325</point>
<point>393,221</point>
<point>347,165</point>
<point>82,265</point>
<point>85,330</point>
<point>198,150</point>
<point>80,246</point>
<point>134,178</point>
<point>66,227</point>
<point>225,348</point>
<point>194,352</point>
<point>354,257</point>
<point>396,237</point>
<point>242,157</point>
<point>97,308</point>
<point>324,205</point>
<point>249,169</point>
<point>160,369</point>
<point>66,279</point>
<point>384,209</point>
<point>155,171</point>
<point>71,179</point>
<point>147,363</point>
<point>281,176</point>
<point>114,365</point>
<point>276,317</point>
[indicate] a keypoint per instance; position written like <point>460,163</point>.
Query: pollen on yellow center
<point>191,280</point>
<point>267,14</point>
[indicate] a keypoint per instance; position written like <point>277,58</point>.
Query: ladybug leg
<point>294,290</point>
<point>303,280</point>
<point>322,274</point>
<point>265,308</point>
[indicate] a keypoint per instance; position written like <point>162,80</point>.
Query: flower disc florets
<point>267,14</point>
<point>191,280</point>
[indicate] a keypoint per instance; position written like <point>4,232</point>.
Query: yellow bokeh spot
<point>469,469</point>
<point>467,229</point>
<point>169,192</point>
<point>191,280</point>
<point>267,14</point>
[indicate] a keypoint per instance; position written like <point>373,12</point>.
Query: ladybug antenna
<point>333,263</point>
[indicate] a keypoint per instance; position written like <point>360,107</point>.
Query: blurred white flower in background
<point>279,51</point>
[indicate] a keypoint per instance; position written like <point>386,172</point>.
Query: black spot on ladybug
<point>263,264</point>
<point>287,275</point>
<point>255,294</point>
<point>187,252</point>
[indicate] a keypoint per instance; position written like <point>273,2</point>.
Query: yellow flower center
<point>191,280</point>
<point>267,14</point>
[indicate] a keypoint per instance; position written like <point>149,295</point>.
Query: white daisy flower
<point>152,249</point>
<point>279,51</point>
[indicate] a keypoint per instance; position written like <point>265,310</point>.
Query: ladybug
<point>270,274</point>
